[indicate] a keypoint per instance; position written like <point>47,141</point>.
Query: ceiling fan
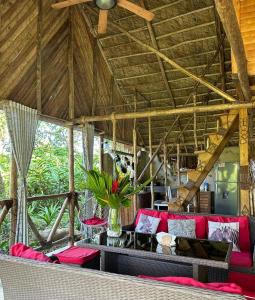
<point>104,6</point>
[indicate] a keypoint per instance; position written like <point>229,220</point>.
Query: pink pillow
<point>21,250</point>
<point>163,227</point>
<point>200,223</point>
<point>216,286</point>
<point>147,212</point>
<point>244,229</point>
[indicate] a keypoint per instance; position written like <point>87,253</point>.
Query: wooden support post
<point>135,166</point>
<point>58,220</point>
<point>35,231</point>
<point>229,20</point>
<point>70,129</point>
<point>165,169</point>
<point>151,166</point>
<point>13,196</point>
<point>101,152</point>
<point>114,135</point>
<point>244,162</point>
<point>195,122</point>
<point>3,214</point>
<point>39,58</point>
<point>178,165</point>
<point>135,155</point>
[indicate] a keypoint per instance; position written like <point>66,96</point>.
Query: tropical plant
<point>114,193</point>
<point>48,213</point>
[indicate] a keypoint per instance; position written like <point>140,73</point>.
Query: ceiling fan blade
<point>68,3</point>
<point>138,10</point>
<point>102,22</point>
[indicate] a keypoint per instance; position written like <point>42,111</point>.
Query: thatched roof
<point>113,71</point>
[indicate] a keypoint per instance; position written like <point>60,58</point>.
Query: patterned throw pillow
<point>147,224</point>
<point>227,232</point>
<point>183,228</point>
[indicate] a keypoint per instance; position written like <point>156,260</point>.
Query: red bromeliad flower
<point>115,186</point>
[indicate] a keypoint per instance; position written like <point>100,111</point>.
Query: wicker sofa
<point>239,260</point>
<point>28,280</point>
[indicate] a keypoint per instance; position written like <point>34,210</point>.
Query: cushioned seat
<point>21,250</point>
<point>245,281</point>
<point>77,256</point>
<point>241,259</point>
<point>216,286</point>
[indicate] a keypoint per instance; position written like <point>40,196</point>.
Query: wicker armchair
<point>28,280</point>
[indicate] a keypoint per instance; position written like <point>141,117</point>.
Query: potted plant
<point>114,193</point>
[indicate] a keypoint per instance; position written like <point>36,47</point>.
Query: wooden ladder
<point>206,159</point>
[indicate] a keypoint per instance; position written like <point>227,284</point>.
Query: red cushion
<point>163,227</point>
<point>241,259</point>
<point>94,221</point>
<point>21,250</point>
<point>76,255</point>
<point>147,212</point>
<point>244,229</point>
<point>216,286</point>
<point>246,281</point>
<point>200,223</point>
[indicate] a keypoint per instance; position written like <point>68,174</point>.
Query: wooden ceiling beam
<point>157,23</point>
<point>164,112</point>
<point>167,59</point>
<point>229,20</point>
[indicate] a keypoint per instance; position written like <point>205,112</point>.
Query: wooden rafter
<point>229,20</point>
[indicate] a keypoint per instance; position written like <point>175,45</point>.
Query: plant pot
<point>114,223</point>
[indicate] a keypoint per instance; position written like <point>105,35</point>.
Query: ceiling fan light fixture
<point>106,4</point>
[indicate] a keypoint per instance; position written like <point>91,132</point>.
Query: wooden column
<point>244,162</point>
<point>101,152</point>
<point>70,130</point>
<point>165,168</point>
<point>13,196</point>
<point>39,58</point>
<point>151,165</point>
<point>178,165</point>
<point>195,122</point>
<point>229,20</point>
<point>135,165</point>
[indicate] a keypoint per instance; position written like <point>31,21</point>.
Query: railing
<point>7,204</point>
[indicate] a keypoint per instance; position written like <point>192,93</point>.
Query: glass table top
<point>195,248</point>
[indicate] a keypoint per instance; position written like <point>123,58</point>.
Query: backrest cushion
<point>200,223</point>
<point>244,229</point>
<point>21,250</point>
<point>147,212</point>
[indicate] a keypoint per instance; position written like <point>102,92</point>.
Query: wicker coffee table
<point>135,254</point>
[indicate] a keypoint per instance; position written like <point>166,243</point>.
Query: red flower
<point>115,186</point>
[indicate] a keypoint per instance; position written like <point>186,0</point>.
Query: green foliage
<point>48,214</point>
<point>108,192</point>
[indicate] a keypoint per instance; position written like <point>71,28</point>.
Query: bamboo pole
<point>151,166</point>
<point>70,129</point>
<point>39,58</point>
<point>135,156</point>
<point>195,122</point>
<point>163,112</point>
<point>165,169</point>
<point>167,59</point>
<point>58,220</point>
<point>3,214</point>
<point>35,231</point>
<point>178,165</point>
<point>101,152</point>
<point>13,196</point>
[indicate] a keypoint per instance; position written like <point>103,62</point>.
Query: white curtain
<point>88,132</point>
<point>22,124</point>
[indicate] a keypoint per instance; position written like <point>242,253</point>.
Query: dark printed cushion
<point>147,224</point>
<point>183,228</point>
<point>227,232</point>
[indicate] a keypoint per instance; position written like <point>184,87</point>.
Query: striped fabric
<point>22,124</point>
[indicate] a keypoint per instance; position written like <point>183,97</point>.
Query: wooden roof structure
<point>42,48</point>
